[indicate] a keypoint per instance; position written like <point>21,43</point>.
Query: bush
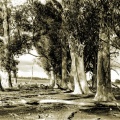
<point>117,81</point>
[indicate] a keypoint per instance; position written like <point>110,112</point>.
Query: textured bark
<point>64,67</point>
<point>9,80</point>
<point>82,75</point>
<point>52,78</point>
<point>104,92</point>
<point>15,78</point>
<point>55,86</point>
<point>77,87</point>
<point>1,88</point>
<point>77,68</point>
<point>94,77</point>
<point>6,41</point>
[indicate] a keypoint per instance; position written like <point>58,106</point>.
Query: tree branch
<point>33,54</point>
<point>116,62</point>
<point>117,47</point>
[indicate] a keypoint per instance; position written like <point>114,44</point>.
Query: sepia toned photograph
<point>59,59</point>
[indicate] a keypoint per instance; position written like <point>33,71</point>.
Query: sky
<point>27,62</point>
<point>27,65</point>
<point>18,2</point>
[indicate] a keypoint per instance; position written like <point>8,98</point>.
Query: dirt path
<point>41,104</point>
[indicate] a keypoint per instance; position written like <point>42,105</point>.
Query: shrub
<point>117,81</point>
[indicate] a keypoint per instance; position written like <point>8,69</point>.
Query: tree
<point>1,56</point>
<point>6,28</point>
<point>45,38</point>
<point>1,45</point>
<point>104,91</point>
<point>64,64</point>
<point>75,25</point>
<point>47,29</point>
<point>13,43</point>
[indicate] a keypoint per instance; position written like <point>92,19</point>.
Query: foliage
<point>46,26</point>
<point>80,19</point>
<point>6,58</point>
<point>47,40</point>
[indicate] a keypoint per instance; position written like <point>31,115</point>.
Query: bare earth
<point>31,102</point>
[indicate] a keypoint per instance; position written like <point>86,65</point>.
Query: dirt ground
<point>31,102</point>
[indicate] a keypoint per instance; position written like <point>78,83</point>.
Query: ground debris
<point>116,115</point>
<point>36,103</point>
<point>72,115</point>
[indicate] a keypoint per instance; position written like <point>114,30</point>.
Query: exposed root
<point>72,115</point>
<point>76,93</point>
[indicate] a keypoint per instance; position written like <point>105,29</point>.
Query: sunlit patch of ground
<point>25,103</point>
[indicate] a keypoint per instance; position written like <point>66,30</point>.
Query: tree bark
<point>55,86</point>
<point>77,67</point>
<point>1,88</point>
<point>104,92</point>
<point>64,67</point>
<point>6,41</point>
<point>15,79</point>
<point>9,79</point>
<point>74,74</point>
<point>82,75</point>
<point>52,78</point>
<point>94,77</point>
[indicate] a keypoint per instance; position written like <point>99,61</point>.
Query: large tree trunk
<point>82,75</point>
<point>74,74</point>
<point>77,67</point>
<point>5,79</point>
<point>6,41</point>
<point>104,92</point>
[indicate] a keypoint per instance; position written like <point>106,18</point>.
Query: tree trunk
<point>64,67</point>
<point>52,78</point>
<point>1,88</point>
<point>77,67</point>
<point>74,74</point>
<point>9,79</point>
<point>15,78</point>
<point>104,92</point>
<point>5,79</point>
<point>94,77</point>
<point>55,86</point>
<point>82,75</point>
<point>6,41</point>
